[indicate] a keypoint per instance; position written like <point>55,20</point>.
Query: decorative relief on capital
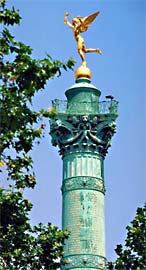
<point>82,133</point>
<point>81,182</point>
<point>83,261</point>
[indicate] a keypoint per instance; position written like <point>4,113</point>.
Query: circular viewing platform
<point>101,108</point>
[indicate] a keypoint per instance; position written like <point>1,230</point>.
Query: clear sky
<point>120,71</point>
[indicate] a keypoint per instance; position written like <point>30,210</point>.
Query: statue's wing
<point>86,21</point>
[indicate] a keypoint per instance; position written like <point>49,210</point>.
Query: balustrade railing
<point>103,107</point>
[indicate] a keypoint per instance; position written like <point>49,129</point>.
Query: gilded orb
<point>83,72</point>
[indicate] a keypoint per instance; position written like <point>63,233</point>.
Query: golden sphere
<point>83,72</point>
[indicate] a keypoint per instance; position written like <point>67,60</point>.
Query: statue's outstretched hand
<point>66,13</point>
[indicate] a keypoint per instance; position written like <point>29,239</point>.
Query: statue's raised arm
<point>80,24</point>
<point>66,20</point>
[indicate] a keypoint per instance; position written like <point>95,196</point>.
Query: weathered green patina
<point>83,129</point>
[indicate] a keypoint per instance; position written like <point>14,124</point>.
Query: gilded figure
<point>80,24</point>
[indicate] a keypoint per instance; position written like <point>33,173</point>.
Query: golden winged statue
<point>80,24</point>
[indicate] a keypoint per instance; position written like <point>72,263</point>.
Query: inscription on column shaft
<point>88,230</point>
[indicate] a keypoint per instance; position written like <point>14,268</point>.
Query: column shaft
<point>83,210</point>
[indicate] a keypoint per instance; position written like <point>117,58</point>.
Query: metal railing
<point>103,107</point>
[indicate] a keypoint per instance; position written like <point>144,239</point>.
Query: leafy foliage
<point>23,246</point>
<point>133,255</point>
<point>20,80</point>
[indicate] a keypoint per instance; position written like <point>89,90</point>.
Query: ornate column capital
<point>83,133</point>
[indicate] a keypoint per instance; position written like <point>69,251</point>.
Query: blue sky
<point>119,32</point>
